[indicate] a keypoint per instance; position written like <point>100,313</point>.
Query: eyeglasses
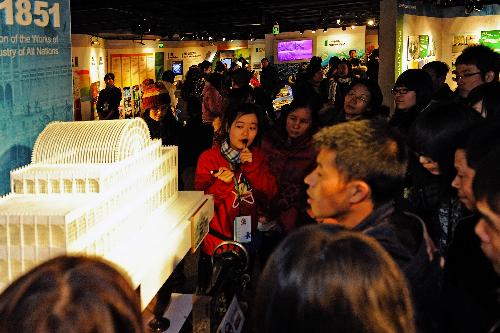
<point>357,98</point>
<point>463,76</point>
<point>401,91</point>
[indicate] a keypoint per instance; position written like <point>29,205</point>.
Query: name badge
<point>243,229</point>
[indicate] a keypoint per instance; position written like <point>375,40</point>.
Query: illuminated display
<point>293,50</point>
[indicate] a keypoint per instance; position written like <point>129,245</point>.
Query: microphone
<point>245,142</point>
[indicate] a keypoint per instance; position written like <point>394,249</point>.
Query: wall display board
<point>192,56</point>
<point>425,32</point>
<point>159,61</point>
<point>491,39</point>
<point>35,76</point>
<point>340,42</point>
<point>132,69</point>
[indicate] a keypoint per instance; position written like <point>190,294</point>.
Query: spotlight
<point>371,22</point>
<point>314,31</point>
<point>301,31</point>
<point>223,39</point>
<point>353,26</point>
<point>338,21</point>
<point>325,29</point>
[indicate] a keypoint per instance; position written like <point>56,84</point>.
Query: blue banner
<point>35,76</point>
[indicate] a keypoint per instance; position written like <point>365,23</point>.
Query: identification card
<point>243,229</point>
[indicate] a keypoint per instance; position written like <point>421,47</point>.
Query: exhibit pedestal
<point>152,255</point>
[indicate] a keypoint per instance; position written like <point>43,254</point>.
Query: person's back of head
<point>204,65</point>
<point>438,67</point>
<point>485,99</point>
<point>484,58</point>
<point>71,294</point>
<point>240,78</point>
<point>369,151</point>
<point>168,76</point>
<point>219,67</point>
<point>437,131</point>
<point>215,79</point>
<point>355,286</point>
<point>315,60</point>
<point>438,71</point>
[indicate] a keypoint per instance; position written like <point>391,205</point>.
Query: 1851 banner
<point>35,76</point>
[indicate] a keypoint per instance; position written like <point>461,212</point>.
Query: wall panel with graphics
<point>35,77</point>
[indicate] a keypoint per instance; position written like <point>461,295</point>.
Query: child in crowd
<point>237,175</point>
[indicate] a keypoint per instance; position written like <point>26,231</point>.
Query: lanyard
<point>236,187</point>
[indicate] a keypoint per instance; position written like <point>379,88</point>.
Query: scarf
<point>230,154</point>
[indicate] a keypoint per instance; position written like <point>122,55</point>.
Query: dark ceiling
<point>232,19</point>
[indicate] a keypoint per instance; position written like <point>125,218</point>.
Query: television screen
<point>177,67</point>
<point>227,62</point>
<point>292,50</point>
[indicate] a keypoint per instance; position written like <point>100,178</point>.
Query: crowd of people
<point>362,220</point>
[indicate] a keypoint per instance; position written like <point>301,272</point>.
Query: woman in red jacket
<point>237,175</point>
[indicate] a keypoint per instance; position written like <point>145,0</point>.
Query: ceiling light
<point>338,21</point>
<point>353,26</point>
<point>223,39</point>
<point>371,22</point>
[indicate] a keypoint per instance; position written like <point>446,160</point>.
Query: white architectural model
<point>90,186</point>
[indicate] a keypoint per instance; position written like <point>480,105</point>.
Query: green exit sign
<point>160,45</point>
<point>276,29</point>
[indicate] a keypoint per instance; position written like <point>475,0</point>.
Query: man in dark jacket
<point>487,192</point>
<point>360,168</point>
<point>269,79</point>
<point>109,99</point>
<point>469,284</point>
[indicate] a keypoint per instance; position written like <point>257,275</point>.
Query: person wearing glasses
<point>362,101</point>
<point>412,94</point>
<point>476,65</point>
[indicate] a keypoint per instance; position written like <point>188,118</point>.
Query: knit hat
<point>154,94</point>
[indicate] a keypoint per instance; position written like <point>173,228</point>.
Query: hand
<point>224,174</point>
<point>246,156</point>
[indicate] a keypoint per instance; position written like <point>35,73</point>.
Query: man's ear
<point>489,76</point>
<point>359,191</point>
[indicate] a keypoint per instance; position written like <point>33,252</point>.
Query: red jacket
<point>254,201</point>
